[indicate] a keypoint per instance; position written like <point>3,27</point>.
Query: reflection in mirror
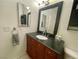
<point>73,22</point>
<point>24,15</point>
<point>48,19</point>
<point>43,20</point>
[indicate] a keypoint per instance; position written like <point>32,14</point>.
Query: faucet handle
<point>45,32</point>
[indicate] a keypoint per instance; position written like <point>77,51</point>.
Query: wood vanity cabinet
<point>31,47</point>
<point>40,51</point>
<point>49,54</point>
<point>36,50</point>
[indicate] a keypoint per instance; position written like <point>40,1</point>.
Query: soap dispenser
<point>58,38</point>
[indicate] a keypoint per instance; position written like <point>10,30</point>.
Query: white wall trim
<point>71,53</point>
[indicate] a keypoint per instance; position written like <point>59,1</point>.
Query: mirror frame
<point>71,22</point>
<point>59,5</point>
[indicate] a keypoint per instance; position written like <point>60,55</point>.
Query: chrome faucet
<point>45,32</point>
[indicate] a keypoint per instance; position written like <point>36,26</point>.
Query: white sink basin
<point>41,37</point>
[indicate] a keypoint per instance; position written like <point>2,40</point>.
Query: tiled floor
<point>25,57</point>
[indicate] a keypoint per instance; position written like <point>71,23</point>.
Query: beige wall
<point>8,20</point>
<point>70,37</point>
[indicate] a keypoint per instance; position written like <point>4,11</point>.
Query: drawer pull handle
<point>49,52</point>
<point>39,45</point>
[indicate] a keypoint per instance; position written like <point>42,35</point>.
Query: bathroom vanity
<point>44,49</point>
<point>48,22</point>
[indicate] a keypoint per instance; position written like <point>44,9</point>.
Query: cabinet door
<point>33,52</point>
<point>49,54</point>
<point>29,46</point>
<point>33,49</point>
<point>40,51</point>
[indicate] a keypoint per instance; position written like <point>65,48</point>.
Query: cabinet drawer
<point>49,51</point>
<point>49,54</point>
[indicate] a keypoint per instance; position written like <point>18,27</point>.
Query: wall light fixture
<point>42,2</point>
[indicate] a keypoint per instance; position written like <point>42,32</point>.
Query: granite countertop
<point>53,44</point>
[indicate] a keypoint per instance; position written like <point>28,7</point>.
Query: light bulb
<point>28,8</point>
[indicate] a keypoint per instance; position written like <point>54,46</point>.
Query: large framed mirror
<point>49,18</point>
<point>24,15</point>
<point>73,22</point>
